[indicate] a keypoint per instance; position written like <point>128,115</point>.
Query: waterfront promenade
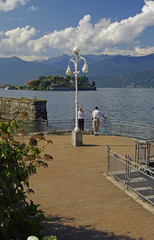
<point>82,203</point>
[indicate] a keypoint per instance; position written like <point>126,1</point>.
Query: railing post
<point>128,170</point>
<point>136,153</point>
<point>108,159</point>
<point>47,126</point>
<point>148,153</point>
<point>152,130</point>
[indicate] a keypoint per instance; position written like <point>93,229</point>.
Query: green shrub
<point>18,161</point>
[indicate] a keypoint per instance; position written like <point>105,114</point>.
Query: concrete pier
<point>82,203</point>
<point>35,109</point>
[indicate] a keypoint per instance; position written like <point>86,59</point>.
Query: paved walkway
<point>82,203</point>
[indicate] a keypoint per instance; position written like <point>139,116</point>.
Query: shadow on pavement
<point>63,231</point>
<point>90,145</point>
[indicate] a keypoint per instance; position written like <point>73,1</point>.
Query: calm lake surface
<point>118,104</point>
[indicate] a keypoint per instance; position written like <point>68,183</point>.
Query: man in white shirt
<point>96,114</point>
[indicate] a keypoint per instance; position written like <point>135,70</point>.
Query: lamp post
<point>76,134</point>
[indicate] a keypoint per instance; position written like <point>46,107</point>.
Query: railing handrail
<point>127,159</point>
<point>107,127</point>
<point>104,120</point>
<point>125,174</point>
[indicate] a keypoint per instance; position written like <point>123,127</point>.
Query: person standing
<point>96,114</point>
<point>81,118</point>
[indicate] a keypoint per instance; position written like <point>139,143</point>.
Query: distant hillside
<point>105,70</point>
<point>16,72</point>
<point>115,71</point>
<point>62,61</point>
<point>143,78</point>
<point>120,65</point>
<point>106,65</point>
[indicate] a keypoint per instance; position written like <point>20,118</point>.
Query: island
<point>58,83</point>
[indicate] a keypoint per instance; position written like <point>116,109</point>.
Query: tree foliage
<point>18,161</point>
<point>49,82</point>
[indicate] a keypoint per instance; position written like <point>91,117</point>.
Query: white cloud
<point>32,9</point>
<point>144,51</point>
<point>136,51</point>
<point>9,5</point>
<point>65,39</point>
<point>15,41</point>
<point>103,37</point>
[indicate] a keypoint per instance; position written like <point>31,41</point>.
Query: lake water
<point>118,104</point>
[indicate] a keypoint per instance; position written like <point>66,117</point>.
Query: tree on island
<point>49,82</point>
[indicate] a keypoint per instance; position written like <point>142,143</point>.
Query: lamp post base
<point>77,138</point>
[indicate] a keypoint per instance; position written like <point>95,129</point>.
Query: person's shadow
<point>90,145</point>
<point>63,231</point>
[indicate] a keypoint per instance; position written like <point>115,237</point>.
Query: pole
<point>76,103</point>
<point>76,133</point>
<point>76,93</point>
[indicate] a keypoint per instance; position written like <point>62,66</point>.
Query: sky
<point>40,29</point>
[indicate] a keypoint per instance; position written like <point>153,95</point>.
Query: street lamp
<point>76,134</point>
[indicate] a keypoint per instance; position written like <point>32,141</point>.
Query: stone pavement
<point>82,203</point>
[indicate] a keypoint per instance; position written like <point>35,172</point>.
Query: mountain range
<point>105,70</point>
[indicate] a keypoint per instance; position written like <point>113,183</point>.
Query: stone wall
<point>36,109</point>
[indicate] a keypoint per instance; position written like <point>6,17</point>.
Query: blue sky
<point>38,29</point>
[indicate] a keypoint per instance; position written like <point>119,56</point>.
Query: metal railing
<point>126,129</point>
<point>144,152</point>
<point>37,125</point>
<point>58,126</point>
<point>69,124</point>
<point>136,177</point>
<point>130,129</point>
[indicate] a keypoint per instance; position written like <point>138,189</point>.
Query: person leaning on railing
<point>96,114</point>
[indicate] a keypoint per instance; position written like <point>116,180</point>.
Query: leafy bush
<point>18,161</point>
<point>50,238</point>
